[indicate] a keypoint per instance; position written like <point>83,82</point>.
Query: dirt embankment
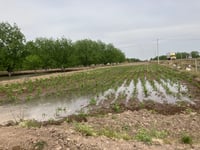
<point>109,131</point>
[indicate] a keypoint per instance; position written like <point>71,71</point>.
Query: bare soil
<point>65,135</point>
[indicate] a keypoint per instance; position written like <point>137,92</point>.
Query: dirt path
<point>67,136</point>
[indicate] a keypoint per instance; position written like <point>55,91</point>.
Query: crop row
<point>94,82</point>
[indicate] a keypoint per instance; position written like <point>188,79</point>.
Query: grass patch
<point>108,132</point>
<point>114,134</point>
<point>85,129</point>
<point>146,136</point>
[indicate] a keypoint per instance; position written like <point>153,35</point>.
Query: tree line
<point>43,53</point>
<point>180,55</point>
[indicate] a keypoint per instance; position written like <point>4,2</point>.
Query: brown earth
<point>66,135</point>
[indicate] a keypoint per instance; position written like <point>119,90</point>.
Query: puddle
<point>43,110</point>
<point>102,97</point>
<point>124,89</point>
<point>152,94</point>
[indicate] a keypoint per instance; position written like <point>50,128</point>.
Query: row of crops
<point>142,82</point>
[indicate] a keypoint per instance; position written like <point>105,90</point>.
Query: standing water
<point>43,109</point>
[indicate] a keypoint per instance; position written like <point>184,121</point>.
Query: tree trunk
<point>9,74</point>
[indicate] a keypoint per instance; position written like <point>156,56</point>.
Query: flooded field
<point>164,92</point>
<point>58,97</point>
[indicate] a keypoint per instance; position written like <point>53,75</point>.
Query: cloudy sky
<point>131,25</point>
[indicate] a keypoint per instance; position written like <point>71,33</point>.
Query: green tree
<point>11,46</point>
<point>162,57</point>
<point>44,48</point>
<point>113,54</point>
<point>32,62</point>
<point>52,53</point>
<point>84,51</point>
<point>63,53</point>
<point>92,52</point>
<point>195,54</point>
<point>132,60</point>
<point>182,55</point>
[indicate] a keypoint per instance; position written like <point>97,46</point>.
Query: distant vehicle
<point>171,56</point>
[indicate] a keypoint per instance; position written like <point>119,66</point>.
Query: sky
<point>133,26</point>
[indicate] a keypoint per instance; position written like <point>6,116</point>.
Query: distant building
<point>171,56</point>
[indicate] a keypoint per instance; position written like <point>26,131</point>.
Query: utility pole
<point>158,51</point>
<point>196,64</point>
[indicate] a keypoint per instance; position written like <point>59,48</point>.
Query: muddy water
<point>43,109</point>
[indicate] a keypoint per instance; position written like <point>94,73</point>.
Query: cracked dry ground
<point>118,132</point>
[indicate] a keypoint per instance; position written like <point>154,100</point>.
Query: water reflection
<point>41,110</point>
<point>163,91</point>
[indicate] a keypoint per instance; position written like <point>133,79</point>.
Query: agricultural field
<point>104,89</point>
<point>146,93</point>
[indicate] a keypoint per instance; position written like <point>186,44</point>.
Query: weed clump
<point>108,132</point>
<point>116,107</point>
<point>186,139</point>
<point>143,136</point>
